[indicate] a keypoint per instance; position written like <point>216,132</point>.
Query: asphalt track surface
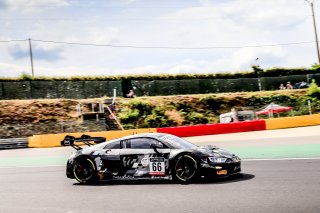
<point>268,184</point>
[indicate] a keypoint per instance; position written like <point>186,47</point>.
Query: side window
<point>113,145</point>
<point>142,143</point>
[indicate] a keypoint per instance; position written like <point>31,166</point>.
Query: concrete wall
<point>26,130</point>
<point>53,140</point>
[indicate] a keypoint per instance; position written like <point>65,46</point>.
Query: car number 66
<point>156,167</point>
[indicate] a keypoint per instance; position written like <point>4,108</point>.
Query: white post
<point>309,107</point>
<point>259,84</point>
<point>114,95</point>
<point>31,57</point>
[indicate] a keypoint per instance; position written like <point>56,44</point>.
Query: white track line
<point>280,159</point>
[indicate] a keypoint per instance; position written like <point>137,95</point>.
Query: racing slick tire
<point>84,170</point>
<point>185,169</point>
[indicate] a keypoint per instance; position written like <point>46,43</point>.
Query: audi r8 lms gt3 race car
<point>147,156</point>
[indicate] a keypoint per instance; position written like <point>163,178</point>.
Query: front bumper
<point>221,169</point>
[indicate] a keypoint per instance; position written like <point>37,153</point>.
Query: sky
<point>133,37</point>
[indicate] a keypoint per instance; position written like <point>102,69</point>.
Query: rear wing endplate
<point>86,139</point>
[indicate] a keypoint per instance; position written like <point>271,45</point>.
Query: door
<point>139,159</point>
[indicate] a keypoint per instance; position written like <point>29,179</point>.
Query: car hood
<point>215,151</point>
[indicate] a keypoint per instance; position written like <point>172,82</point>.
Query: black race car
<point>147,156</point>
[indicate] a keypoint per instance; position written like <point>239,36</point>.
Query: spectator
<point>282,87</point>
<point>234,115</point>
<point>130,94</point>
<point>113,107</point>
<point>303,85</point>
<point>300,85</point>
<point>289,86</point>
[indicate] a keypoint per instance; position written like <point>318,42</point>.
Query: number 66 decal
<point>157,166</point>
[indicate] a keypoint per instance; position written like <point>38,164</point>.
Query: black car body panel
<point>152,156</point>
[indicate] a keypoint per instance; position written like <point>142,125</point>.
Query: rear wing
<point>85,139</point>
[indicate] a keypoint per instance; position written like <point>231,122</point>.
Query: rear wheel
<point>185,169</point>
<point>84,170</point>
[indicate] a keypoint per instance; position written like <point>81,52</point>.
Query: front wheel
<point>84,170</point>
<point>185,169</point>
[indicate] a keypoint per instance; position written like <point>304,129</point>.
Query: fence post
<point>309,107</point>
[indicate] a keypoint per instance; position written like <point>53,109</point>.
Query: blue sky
<point>175,24</point>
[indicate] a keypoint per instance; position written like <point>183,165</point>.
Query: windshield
<point>177,142</point>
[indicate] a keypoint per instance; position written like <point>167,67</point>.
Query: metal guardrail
<point>13,143</point>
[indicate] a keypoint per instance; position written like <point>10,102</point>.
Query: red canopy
<point>273,108</point>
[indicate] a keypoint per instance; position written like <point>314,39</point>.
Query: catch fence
<point>95,89</point>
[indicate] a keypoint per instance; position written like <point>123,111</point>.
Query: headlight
<point>217,160</point>
<point>236,159</point>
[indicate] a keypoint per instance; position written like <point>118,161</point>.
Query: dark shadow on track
<point>226,180</point>
<point>230,179</point>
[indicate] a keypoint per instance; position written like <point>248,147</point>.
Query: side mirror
<point>157,146</point>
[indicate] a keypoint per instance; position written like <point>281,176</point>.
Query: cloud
<point>20,4</point>
<point>32,6</point>
<point>244,58</point>
<point>238,61</point>
<point>128,1</point>
<point>203,23</point>
<point>12,70</point>
<point>258,15</point>
<point>3,5</point>
<point>39,53</point>
<point>97,35</point>
<point>238,22</point>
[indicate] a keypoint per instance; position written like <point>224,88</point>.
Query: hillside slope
<point>148,111</point>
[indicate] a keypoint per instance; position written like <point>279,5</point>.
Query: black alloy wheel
<point>185,169</point>
<point>84,170</point>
